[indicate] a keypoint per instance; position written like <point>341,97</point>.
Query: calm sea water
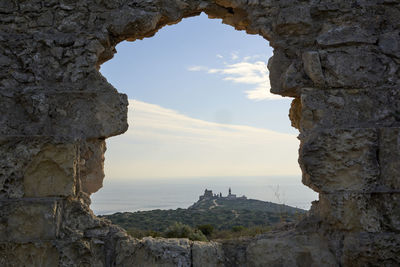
<point>135,195</point>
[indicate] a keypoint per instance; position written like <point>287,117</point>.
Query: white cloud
<point>164,143</point>
<point>253,57</point>
<point>234,55</point>
<point>197,68</point>
<point>246,72</point>
<point>219,56</point>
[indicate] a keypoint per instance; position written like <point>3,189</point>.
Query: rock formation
<point>339,60</point>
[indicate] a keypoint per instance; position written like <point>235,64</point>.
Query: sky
<point>165,143</point>
<point>199,105</point>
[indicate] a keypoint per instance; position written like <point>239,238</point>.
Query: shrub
<point>137,233</point>
<point>206,229</point>
<point>180,230</point>
<point>238,228</point>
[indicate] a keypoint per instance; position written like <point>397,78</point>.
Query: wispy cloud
<point>164,143</point>
<point>234,55</point>
<point>253,57</point>
<point>247,71</point>
<point>197,68</point>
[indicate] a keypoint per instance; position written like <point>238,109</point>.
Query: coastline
<point>126,195</point>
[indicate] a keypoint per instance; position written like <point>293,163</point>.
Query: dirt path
<point>215,204</point>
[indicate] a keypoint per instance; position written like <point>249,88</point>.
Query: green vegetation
<point>206,229</point>
<point>179,230</point>
<point>208,219</point>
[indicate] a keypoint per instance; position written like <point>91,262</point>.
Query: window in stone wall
<point>200,117</point>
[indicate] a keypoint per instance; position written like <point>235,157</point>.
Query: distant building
<point>230,195</point>
<point>208,194</point>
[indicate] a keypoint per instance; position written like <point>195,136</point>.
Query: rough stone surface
<point>156,252</point>
<point>25,221</point>
<point>364,249</point>
<point>92,165</point>
<point>389,158</point>
<point>52,172</point>
<point>375,212</point>
<point>28,254</point>
<point>339,59</point>
<point>332,162</point>
<point>207,254</point>
<point>290,249</point>
<point>312,67</point>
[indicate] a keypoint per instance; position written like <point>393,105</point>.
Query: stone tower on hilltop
<point>230,195</point>
<point>208,194</point>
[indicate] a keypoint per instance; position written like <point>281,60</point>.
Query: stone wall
<point>339,60</point>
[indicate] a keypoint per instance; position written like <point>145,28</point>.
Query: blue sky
<point>199,106</point>
<point>160,70</point>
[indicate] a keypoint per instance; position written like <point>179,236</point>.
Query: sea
<point>121,195</point>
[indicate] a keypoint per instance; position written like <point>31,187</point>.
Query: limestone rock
<point>342,67</point>
<point>207,254</point>
<point>346,35</point>
<point>373,213</point>
<point>346,108</point>
<point>295,113</point>
<point>52,172</point>
<point>290,249</point>
<point>328,167</point>
<point>92,165</point>
<point>29,220</point>
<point>389,159</point>
<point>312,67</point>
<point>154,252</point>
<point>362,249</point>
<point>28,254</point>
<point>389,43</point>
<point>294,20</point>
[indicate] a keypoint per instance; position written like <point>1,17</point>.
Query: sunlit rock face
<point>338,59</point>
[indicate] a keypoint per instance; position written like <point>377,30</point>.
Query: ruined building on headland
<point>208,194</point>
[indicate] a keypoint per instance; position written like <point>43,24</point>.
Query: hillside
<point>243,204</point>
<point>221,213</point>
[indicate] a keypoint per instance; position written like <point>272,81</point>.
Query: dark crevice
<point>191,255</point>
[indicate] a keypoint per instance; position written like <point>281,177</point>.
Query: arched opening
<point>201,117</point>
